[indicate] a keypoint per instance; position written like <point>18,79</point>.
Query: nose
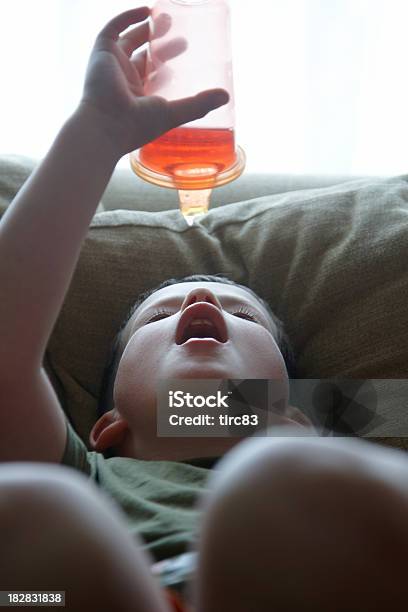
<point>201,294</point>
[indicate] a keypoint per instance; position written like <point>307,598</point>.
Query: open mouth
<point>201,328</point>
<point>201,320</point>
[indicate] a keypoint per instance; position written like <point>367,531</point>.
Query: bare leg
<point>299,524</point>
<point>59,532</point>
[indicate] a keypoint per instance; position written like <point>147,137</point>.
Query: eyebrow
<point>225,301</point>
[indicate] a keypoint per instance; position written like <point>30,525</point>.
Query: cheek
<point>144,348</point>
<point>141,360</point>
<point>270,354</point>
<point>257,345</point>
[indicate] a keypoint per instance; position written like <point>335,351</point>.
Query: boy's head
<point>153,344</point>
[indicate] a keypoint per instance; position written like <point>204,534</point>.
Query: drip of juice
<point>192,157</point>
<point>194,204</point>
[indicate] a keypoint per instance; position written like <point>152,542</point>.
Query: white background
<point>320,85</point>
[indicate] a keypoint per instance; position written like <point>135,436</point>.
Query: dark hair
<point>118,346</point>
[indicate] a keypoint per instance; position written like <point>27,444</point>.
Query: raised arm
<point>42,232</point>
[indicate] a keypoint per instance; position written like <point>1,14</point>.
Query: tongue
<point>205,331</point>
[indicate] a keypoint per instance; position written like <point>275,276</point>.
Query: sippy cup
<point>190,51</point>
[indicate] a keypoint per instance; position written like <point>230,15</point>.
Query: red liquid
<point>191,153</point>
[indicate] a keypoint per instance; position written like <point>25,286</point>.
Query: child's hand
<point>113,91</point>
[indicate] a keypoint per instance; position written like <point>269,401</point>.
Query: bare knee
<point>41,502</point>
<point>34,495</point>
<point>59,532</point>
<point>289,519</point>
<point>46,512</point>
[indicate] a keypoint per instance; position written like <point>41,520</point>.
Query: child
<point>286,521</point>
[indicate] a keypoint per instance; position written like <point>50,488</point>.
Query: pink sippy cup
<point>190,51</point>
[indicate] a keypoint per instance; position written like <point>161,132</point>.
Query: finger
<point>138,36</point>
<point>139,61</point>
<point>170,49</point>
<point>189,109</point>
<point>161,25</point>
<point>155,68</point>
<point>157,80</point>
<point>119,23</point>
<point>134,39</point>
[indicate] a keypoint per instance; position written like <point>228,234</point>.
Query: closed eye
<point>159,315</point>
<point>244,313</point>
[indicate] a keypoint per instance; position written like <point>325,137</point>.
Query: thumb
<point>188,109</point>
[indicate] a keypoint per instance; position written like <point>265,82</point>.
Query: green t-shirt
<point>158,497</point>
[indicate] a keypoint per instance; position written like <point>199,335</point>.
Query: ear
<point>108,431</point>
<point>294,414</point>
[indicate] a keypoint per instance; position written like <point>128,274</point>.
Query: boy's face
<point>156,349</point>
<point>161,345</point>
